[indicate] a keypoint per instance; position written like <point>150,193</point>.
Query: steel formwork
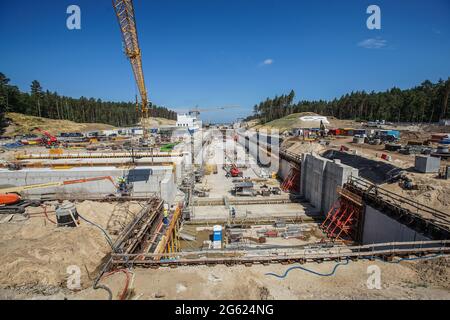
<point>344,218</point>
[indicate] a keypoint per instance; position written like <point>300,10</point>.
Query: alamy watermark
<point>374,279</point>
<point>74,278</point>
<point>73,22</point>
<point>374,20</point>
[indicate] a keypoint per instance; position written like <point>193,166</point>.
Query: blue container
<point>217,235</point>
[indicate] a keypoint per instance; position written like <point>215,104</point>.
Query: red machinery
<point>235,172</point>
<point>49,139</point>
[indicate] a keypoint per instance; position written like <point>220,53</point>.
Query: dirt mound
<point>298,146</point>
<point>158,122</point>
<point>434,272</point>
<point>293,121</point>
<point>430,191</point>
<point>23,124</point>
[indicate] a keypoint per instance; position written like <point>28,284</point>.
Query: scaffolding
<point>292,181</point>
<point>343,219</point>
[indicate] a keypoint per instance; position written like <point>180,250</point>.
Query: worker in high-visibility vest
<point>166,216</point>
<point>232,212</point>
<point>122,184</point>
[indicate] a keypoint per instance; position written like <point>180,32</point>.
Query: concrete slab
<point>256,211</point>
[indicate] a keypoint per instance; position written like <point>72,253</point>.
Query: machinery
<point>233,171</point>
<point>11,201</point>
<point>48,139</point>
<point>125,16</point>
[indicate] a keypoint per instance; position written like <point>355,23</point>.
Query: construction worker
<point>122,183</point>
<point>232,212</point>
<point>166,216</point>
<point>322,129</point>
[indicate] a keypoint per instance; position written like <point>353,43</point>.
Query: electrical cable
<point>108,238</point>
<point>127,282</point>
<point>308,270</point>
<point>46,215</point>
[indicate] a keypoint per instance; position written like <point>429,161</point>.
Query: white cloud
<point>373,43</point>
<point>267,62</point>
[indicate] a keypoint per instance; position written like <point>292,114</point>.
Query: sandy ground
<point>398,281</point>
<point>431,192</point>
<point>35,253</point>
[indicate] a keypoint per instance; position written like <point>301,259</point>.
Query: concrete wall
<point>285,168</point>
<point>320,178</point>
<point>145,180</point>
<point>380,228</point>
<point>336,174</point>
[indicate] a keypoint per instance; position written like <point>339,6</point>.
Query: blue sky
<point>212,52</point>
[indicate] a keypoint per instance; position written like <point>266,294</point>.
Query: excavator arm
<point>5,197</point>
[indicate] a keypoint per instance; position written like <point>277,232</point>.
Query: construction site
<point>180,210</point>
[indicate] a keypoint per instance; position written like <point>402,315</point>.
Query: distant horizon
<point>227,52</point>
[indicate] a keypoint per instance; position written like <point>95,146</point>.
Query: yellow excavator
<point>11,201</point>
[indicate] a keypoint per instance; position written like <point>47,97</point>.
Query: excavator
<point>48,140</point>
<point>12,202</point>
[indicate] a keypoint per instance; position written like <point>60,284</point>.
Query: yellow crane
<point>125,15</point>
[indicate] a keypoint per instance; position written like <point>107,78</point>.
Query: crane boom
<point>54,184</point>
<point>125,15</point>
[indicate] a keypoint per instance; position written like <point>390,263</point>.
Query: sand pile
<point>298,146</point>
<point>431,192</point>
<point>35,253</point>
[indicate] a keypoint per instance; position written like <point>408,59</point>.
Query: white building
<point>188,121</point>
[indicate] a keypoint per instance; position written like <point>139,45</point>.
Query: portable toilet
<point>217,237</point>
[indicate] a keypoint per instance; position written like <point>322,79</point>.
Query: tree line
<point>43,103</point>
<point>427,102</point>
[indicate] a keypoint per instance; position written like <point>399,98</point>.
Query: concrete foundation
<point>146,181</point>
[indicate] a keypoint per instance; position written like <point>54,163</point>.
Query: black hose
<point>108,238</point>
<point>97,286</point>
<point>101,286</point>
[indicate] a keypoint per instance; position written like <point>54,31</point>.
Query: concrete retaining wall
<point>145,180</point>
<point>320,178</point>
<point>379,228</point>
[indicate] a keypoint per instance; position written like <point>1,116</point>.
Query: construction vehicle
<point>11,200</point>
<point>48,139</point>
<point>244,189</point>
<point>233,171</point>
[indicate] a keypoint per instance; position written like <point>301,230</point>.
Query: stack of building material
<point>443,138</point>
